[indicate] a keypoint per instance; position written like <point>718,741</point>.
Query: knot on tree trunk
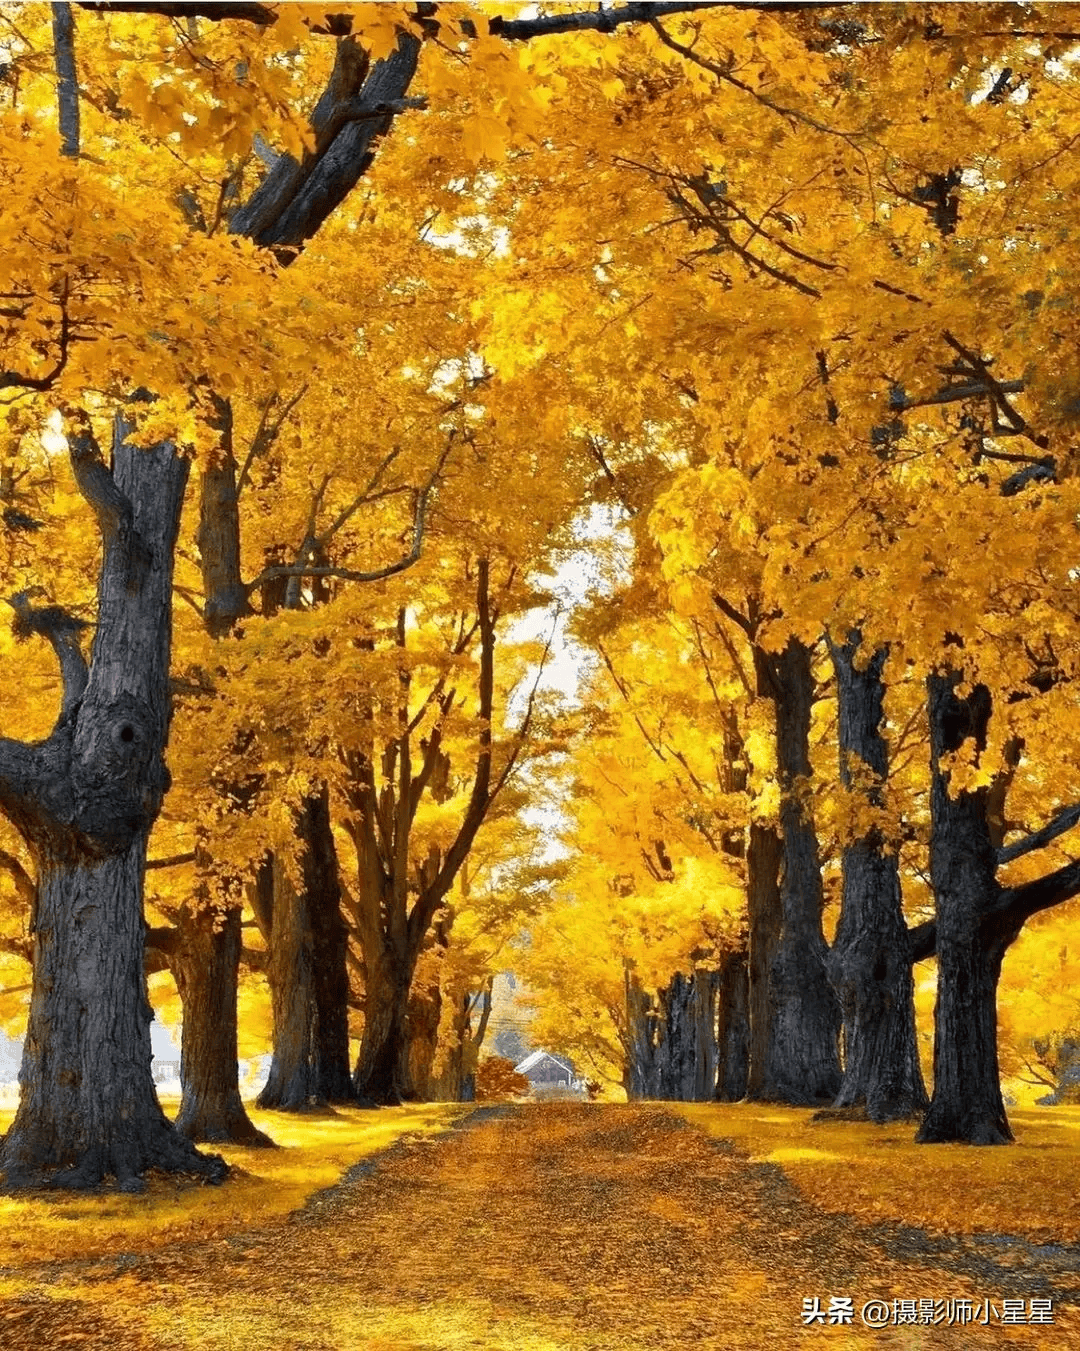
<point>118,776</point>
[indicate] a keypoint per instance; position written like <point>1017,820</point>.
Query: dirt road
<point>562,1227</point>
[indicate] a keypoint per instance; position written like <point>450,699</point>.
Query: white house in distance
<point>545,1071</point>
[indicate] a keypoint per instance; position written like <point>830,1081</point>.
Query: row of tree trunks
<point>690,1041</point>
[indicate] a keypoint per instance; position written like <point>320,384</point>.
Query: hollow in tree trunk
<point>85,800</point>
<point>870,965</point>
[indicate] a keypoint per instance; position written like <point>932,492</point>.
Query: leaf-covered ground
<point>557,1227</point>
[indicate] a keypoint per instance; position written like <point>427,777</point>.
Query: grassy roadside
<point>314,1151</point>
<point>878,1173</point>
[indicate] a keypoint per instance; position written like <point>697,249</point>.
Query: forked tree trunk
<point>456,1081</point>
<point>869,964</point>
<point>966,1103</point>
<point>802,1060</point>
<point>205,964</point>
<point>85,800</point>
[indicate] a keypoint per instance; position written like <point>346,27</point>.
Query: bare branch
<point>1065,820</point>
<point>526,721</point>
<point>379,574</point>
<point>24,883</point>
<point>62,630</point>
<point>15,380</point>
<point>607,20</point>
<point>95,480</point>
<point>261,15</point>
<point>1020,903</point>
<point>266,434</point>
<point>173,861</point>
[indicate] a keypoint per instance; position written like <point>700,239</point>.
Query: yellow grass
<point>315,1150</point>
<point>878,1172</point>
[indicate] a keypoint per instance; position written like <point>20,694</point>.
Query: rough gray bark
<point>85,800</point>
<point>297,196</point>
<point>966,1103</point>
<point>802,1061</point>
<point>379,1075</point>
<point>677,1041</point>
<point>673,1051</point>
<point>870,964</point>
<point>67,80</point>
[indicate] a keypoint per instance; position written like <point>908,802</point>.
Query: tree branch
<point>1020,903</point>
<point>379,574</point>
<point>62,630</point>
<point>261,15</point>
<point>1065,820</point>
<point>67,87</point>
<point>173,861</point>
<point>479,799</point>
<point>95,480</point>
<point>356,108</point>
<point>607,20</point>
<point>24,883</point>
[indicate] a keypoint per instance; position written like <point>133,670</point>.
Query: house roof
<point>531,1061</point>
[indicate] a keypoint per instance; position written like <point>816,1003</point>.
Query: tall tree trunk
<point>292,1084</point>
<point>309,987</point>
<point>802,1064</point>
<point>733,1026</point>
<point>869,965</point>
<point>205,964</point>
<point>703,996</point>
<point>378,1075</point>
<point>421,1041</point>
<point>330,940</point>
<point>764,852</point>
<point>640,1071</point>
<point>677,1041</point>
<point>966,1103</point>
<point>208,949</point>
<point>85,800</point>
